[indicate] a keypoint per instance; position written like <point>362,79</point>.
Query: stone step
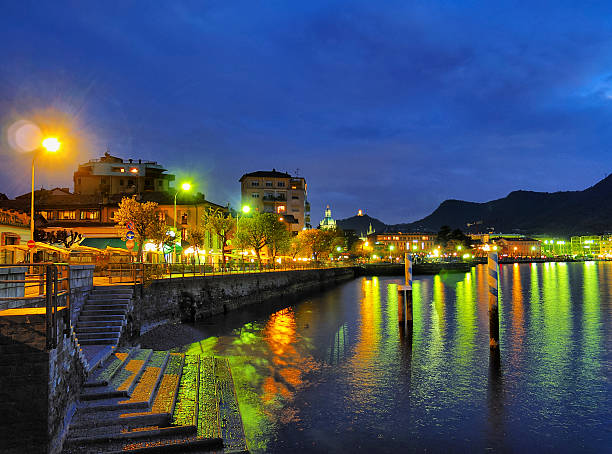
<point>109,297</point>
<point>147,384</point>
<point>186,407</point>
<point>105,305</point>
<point>96,323</point>
<point>110,417</point>
<point>101,328</point>
<point>93,435</point>
<point>98,318</point>
<point>81,336</point>
<point>232,429</point>
<point>88,312</point>
<point>109,368</point>
<point>158,440</point>
<point>123,381</point>
<point>167,392</point>
<point>100,341</point>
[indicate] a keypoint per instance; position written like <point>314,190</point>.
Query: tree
<point>147,222</point>
<point>196,237</point>
<point>251,233</point>
<point>316,241</point>
<point>295,246</point>
<point>278,238</point>
<point>222,224</point>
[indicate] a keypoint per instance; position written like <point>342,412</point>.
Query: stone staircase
<point>141,400</point>
<point>103,316</point>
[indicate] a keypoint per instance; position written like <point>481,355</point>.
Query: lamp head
<point>186,186</point>
<point>51,144</point>
<point>246,209</point>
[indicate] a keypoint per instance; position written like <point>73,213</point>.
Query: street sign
<point>129,235</point>
<point>130,244</point>
<point>129,225</point>
<point>31,244</point>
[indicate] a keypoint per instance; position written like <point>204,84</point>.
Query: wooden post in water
<point>493,301</point>
<point>404,295</point>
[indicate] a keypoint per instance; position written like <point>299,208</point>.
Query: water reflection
<point>336,372</point>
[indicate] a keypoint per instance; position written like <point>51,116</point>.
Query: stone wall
<point>38,388</point>
<point>14,289</point>
<point>197,298</point>
<point>81,285</point>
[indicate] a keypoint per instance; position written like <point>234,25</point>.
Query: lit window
<point>90,215</point>
<point>68,214</point>
<point>134,169</point>
<point>280,209</point>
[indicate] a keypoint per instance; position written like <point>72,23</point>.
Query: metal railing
<point>136,273</point>
<point>42,283</point>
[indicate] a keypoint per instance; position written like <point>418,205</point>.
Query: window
<point>254,183</point>
<point>280,209</point>
<point>121,182</point>
<point>90,215</point>
<point>130,183</point>
<point>281,184</point>
<point>295,210</point>
<point>268,184</point>
<point>118,169</point>
<point>66,215</point>
<point>255,195</point>
<point>47,214</point>
<point>160,183</point>
<point>184,218</point>
<point>295,197</point>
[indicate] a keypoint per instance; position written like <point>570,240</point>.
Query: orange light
<point>280,219</point>
<point>51,144</point>
<point>134,169</point>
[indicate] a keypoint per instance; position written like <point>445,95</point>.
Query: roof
<point>266,173</point>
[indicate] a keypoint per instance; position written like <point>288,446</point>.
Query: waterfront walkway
<point>140,400</point>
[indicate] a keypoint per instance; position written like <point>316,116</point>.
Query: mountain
<point>361,224</point>
<point>558,213</point>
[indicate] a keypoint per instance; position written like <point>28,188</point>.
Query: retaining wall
<point>196,298</point>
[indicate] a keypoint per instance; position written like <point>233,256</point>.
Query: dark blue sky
<point>390,107</point>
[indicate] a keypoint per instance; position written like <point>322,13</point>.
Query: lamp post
<point>51,144</point>
<point>245,210</point>
<point>185,187</point>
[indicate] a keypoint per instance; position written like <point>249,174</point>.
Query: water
<point>334,373</point>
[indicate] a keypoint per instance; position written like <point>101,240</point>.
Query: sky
<point>390,107</point>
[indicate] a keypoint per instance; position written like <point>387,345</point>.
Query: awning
<point>103,243</point>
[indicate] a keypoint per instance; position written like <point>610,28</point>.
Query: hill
<point>558,213</point>
<point>361,224</point>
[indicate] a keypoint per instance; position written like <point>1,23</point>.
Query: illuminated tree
<point>221,223</point>
<point>197,238</point>
<point>315,242</point>
<point>146,219</point>
<point>278,238</point>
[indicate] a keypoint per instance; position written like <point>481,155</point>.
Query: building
<point>327,223</point>
<point>593,245</point>
<point>277,192</point>
<point>399,243</point>
<point>111,175</point>
<point>92,216</point>
<point>14,227</point>
<point>554,246</point>
<point>518,247</point>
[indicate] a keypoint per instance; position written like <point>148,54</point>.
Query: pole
<point>174,242</point>
<point>493,301</point>
<point>404,295</point>
<point>32,204</point>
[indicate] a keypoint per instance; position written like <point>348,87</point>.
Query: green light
<point>391,247</point>
<point>186,186</point>
<point>246,209</point>
<point>338,249</point>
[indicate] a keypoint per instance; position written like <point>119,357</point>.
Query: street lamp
<point>51,144</point>
<point>245,210</point>
<point>185,187</point>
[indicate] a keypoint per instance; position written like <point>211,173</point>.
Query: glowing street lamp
<point>246,209</point>
<point>50,144</point>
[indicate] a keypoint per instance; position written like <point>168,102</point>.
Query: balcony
<point>274,198</point>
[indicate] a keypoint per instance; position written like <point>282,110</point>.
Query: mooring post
<point>404,295</point>
<point>493,301</point>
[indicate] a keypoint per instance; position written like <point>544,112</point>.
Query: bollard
<point>493,301</point>
<point>404,296</point>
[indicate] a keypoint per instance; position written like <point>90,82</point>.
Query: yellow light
<point>458,248</point>
<point>246,208</point>
<point>391,247</point>
<point>51,144</point>
<point>134,170</point>
<point>495,248</point>
<point>186,186</point>
<point>366,243</point>
<point>280,219</point>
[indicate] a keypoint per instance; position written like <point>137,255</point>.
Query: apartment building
<point>277,192</point>
<point>111,175</point>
